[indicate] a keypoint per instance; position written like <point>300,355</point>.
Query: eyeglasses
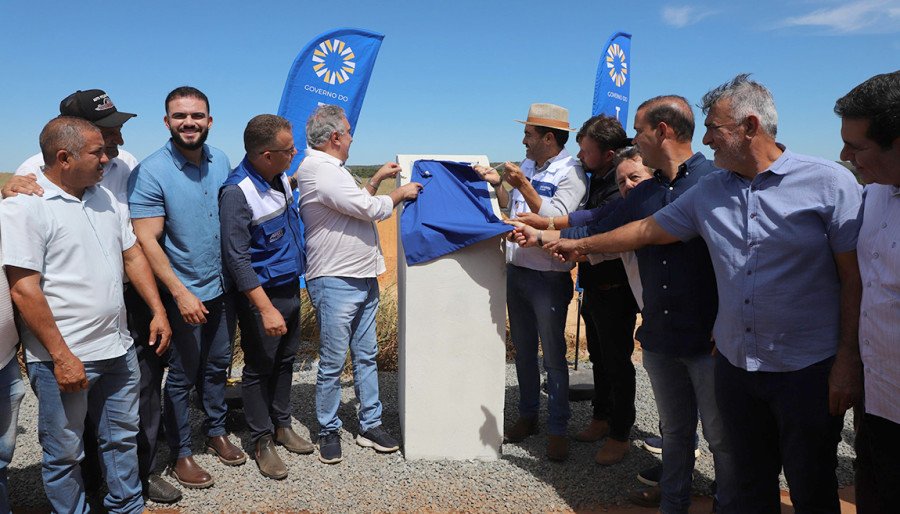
<point>290,150</point>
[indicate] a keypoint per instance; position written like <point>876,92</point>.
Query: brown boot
<point>285,436</point>
<point>228,453</point>
<point>189,474</point>
<point>557,448</point>
<point>522,428</point>
<point>597,430</point>
<point>648,497</point>
<point>270,464</point>
<point>612,452</point>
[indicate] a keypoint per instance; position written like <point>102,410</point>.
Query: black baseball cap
<point>95,106</point>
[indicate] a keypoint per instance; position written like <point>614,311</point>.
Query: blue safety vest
<point>276,241</point>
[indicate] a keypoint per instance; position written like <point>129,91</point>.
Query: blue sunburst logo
<point>334,61</point>
<point>615,63</point>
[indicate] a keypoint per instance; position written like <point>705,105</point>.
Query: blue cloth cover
<point>453,211</point>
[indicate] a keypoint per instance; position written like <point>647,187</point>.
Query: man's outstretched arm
<point>632,236</point>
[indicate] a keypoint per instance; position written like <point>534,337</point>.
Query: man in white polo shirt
<point>65,255</point>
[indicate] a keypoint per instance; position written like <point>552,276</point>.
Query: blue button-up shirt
<point>772,241</point>
<point>678,280</point>
<point>168,185</point>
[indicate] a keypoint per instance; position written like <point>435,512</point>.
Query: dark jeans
<point>151,366</point>
<point>877,465</point>
<point>774,420</point>
<point>268,361</point>
<point>609,317</point>
<point>199,357</point>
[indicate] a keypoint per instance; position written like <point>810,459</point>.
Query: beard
<point>180,142</point>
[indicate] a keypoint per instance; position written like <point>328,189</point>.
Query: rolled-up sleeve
<point>569,195</point>
<point>235,219</point>
<point>145,195</point>
<point>338,191</point>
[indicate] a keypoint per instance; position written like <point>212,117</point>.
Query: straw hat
<point>548,115</point>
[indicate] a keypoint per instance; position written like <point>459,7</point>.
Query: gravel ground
<point>521,481</point>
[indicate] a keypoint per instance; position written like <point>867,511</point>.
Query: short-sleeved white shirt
<point>115,173</point>
<point>76,246</point>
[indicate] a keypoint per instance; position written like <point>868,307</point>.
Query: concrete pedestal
<point>451,330</point>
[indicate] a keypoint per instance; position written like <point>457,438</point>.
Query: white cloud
<point>855,16</point>
<point>683,15</point>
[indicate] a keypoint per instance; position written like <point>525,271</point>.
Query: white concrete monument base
<point>451,330</point>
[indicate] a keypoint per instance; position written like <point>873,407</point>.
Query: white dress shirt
<point>8,335</point>
<point>878,252</point>
<point>341,238</point>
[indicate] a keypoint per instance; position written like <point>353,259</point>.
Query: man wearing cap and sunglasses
<point>95,106</point>
<point>550,182</point>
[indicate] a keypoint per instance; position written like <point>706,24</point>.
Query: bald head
<point>64,133</point>
<point>674,111</point>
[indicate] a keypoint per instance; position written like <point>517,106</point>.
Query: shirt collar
<point>683,168</point>
<point>782,166</point>
<point>180,159</point>
<point>312,152</point>
<point>564,154</point>
<point>261,185</point>
<point>51,190</point>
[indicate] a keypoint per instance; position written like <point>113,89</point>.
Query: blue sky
<point>451,76</point>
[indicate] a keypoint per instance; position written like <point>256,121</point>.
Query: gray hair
<point>322,123</point>
<point>64,133</point>
<point>747,97</point>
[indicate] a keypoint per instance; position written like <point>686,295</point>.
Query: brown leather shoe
<point>190,474</point>
<point>270,464</point>
<point>557,448</point>
<point>292,442</point>
<point>522,428</point>
<point>612,452</point>
<point>597,430</point>
<point>228,453</point>
<point>648,497</point>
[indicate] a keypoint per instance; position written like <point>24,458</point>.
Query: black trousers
<point>268,361</point>
<point>609,317</point>
<point>151,366</point>
<point>877,465</point>
<point>149,406</point>
<point>780,419</point>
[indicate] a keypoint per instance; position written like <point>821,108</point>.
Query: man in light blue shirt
<point>781,230</point>
<point>173,196</point>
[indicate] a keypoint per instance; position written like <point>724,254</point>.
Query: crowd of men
<point>767,282</point>
<point>119,270</point>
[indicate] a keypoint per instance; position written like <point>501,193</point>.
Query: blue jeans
<point>345,308</point>
<point>14,389</point>
<point>199,356</point>
<point>682,386</point>
<point>778,420</point>
<point>112,401</point>
<point>536,302</point>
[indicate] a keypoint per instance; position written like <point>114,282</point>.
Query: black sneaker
<point>651,476</point>
<point>379,439</point>
<point>330,448</point>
